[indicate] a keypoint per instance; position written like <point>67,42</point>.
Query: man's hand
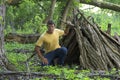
<point>44,60</point>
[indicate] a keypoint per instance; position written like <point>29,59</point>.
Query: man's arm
<point>44,60</point>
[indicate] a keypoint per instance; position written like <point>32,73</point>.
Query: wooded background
<point>90,45</point>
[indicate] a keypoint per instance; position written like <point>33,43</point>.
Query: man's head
<point>50,26</point>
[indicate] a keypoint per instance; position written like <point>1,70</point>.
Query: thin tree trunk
<point>51,11</point>
<point>4,64</point>
<point>65,12</point>
<point>3,59</point>
<point>109,29</point>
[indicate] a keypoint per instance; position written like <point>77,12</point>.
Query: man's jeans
<point>59,53</point>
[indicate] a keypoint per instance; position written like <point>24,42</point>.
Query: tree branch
<point>101,4</point>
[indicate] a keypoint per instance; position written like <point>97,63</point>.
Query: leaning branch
<point>101,4</point>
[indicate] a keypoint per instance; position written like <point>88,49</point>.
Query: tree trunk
<point>4,64</point>
<point>51,11</point>
<point>102,4</point>
<point>65,12</point>
<point>3,60</point>
<point>109,29</point>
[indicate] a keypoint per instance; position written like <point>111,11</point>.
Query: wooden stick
<point>109,29</point>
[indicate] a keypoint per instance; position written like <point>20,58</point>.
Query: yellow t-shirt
<point>50,41</point>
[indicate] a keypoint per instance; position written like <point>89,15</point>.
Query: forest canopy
<point>20,13</point>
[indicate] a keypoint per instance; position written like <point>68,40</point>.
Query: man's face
<point>51,28</point>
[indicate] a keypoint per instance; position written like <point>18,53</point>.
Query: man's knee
<point>64,50</point>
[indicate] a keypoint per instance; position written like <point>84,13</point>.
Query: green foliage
<point>103,18</point>
<point>58,11</point>
<point>1,20</point>
<point>88,0</point>
<point>75,3</point>
<point>25,18</point>
<point>15,59</point>
<point>63,72</point>
<point>114,1</point>
<point>25,11</point>
<point>18,58</point>
<point>14,45</point>
<point>2,1</point>
<point>28,16</point>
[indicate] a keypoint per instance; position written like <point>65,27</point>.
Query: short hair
<point>50,22</point>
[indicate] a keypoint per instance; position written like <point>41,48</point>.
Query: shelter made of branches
<point>90,47</point>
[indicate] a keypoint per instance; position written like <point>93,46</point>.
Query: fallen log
<point>31,75</point>
<point>21,38</point>
<point>26,75</point>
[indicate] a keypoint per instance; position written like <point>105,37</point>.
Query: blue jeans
<point>59,53</point>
